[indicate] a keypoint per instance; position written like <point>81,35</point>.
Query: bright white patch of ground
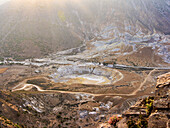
<point>88,79</point>
<point>91,75</point>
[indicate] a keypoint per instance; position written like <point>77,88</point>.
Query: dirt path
<point>27,87</point>
<point>24,86</point>
<point>141,85</point>
<point>25,82</point>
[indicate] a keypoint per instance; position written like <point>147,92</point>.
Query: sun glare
<point>3,1</point>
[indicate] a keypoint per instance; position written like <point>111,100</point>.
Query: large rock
<point>160,116</point>
<point>158,120</point>
<point>162,97</point>
<point>163,80</point>
<point>163,103</point>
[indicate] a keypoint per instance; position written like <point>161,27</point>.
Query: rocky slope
<point>150,112</point>
<point>161,103</point>
<point>36,28</point>
<point>37,101</point>
<point>125,46</point>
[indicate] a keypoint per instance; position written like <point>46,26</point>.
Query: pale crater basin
<point>89,75</point>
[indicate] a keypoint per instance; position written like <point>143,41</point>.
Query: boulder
<point>162,97</point>
<point>158,120</point>
<point>163,103</point>
<point>163,80</point>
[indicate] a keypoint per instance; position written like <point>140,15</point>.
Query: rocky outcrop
<point>163,80</point>
<point>136,110</point>
<point>158,120</point>
<point>158,116</point>
<point>150,112</point>
<point>161,117</point>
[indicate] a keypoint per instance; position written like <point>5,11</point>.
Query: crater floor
<point>90,75</point>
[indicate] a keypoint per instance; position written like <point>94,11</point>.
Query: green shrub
<point>149,105</point>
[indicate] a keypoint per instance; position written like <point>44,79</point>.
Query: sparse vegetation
<point>137,123</point>
<point>8,123</point>
<point>87,83</point>
<point>142,122</point>
<point>113,120</point>
<point>149,105</point>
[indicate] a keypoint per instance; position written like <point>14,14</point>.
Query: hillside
<point>38,27</point>
<point>75,63</point>
<point>148,112</point>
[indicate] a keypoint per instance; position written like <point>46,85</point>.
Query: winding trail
<point>27,87</point>
<point>141,85</point>
<point>24,86</point>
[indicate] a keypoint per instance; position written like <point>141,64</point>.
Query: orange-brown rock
<point>160,119</point>
<point>162,97</point>
<point>163,80</point>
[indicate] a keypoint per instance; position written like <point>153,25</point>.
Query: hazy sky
<point>3,1</point>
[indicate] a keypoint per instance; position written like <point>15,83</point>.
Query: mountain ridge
<point>50,26</point>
